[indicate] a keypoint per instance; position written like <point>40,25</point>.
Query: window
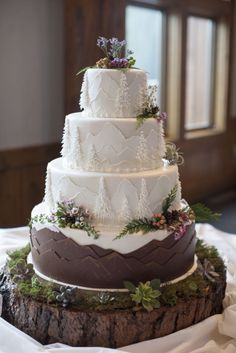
<point>199,73</point>
<point>144,35</point>
<point>185,49</point>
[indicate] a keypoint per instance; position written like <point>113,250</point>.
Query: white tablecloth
<point>213,335</point>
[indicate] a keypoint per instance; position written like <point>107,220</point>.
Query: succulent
<point>65,295</point>
<point>173,155</point>
<point>146,294</point>
<point>22,271</point>
<point>104,298</point>
<point>208,270</point>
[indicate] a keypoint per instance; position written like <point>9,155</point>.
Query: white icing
<point>90,189</point>
<point>125,245</point>
<point>112,93</point>
<point>117,144</point>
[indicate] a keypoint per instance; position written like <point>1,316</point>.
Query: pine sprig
<point>143,225</point>
<point>169,199</point>
<point>203,213</point>
<point>91,231</point>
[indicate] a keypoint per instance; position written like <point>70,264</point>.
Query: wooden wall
<point>22,174</point>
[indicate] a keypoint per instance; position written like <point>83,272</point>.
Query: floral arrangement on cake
<point>171,220</point>
<point>115,57</point>
<point>67,214</point>
<point>149,108</point>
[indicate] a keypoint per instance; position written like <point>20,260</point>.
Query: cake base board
<point>49,323</point>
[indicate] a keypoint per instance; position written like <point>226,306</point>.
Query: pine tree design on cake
<point>84,97</point>
<point>125,213</point>
<point>48,198</point>
<point>142,151</point>
<point>140,99</point>
<point>66,139</point>
<point>92,162</point>
<point>75,157</point>
<point>122,101</point>
<point>143,205</point>
<point>103,209</point>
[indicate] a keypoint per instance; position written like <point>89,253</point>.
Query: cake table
<point>215,334</point>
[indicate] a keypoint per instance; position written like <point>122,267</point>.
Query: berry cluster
<point>175,220</point>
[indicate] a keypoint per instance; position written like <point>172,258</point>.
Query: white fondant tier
<point>113,93</point>
<point>112,145</point>
<point>113,198</point>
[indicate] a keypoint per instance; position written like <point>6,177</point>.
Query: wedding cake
<point>113,258</point>
<point>112,210</point>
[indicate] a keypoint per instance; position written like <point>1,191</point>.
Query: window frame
<point>217,11</point>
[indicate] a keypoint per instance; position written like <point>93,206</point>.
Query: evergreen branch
<point>91,231</point>
<point>203,213</point>
<point>84,69</point>
<point>143,225</point>
<point>169,199</point>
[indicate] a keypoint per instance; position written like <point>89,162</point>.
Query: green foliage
<point>169,199</point>
<point>146,296</point>
<point>143,225</point>
<point>141,118</point>
<point>130,286</point>
<point>17,255</point>
<point>68,215</point>
<point>38,290</point>
<point>155,283</point>
<point>84,69</point>
<point>203,213</point>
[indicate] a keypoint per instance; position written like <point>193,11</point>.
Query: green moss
<point>17,256</point>
<point>38,290</point>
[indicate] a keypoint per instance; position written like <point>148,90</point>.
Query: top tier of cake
<point>113,93</point>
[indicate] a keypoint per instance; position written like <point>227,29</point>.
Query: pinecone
<point>172,216</point>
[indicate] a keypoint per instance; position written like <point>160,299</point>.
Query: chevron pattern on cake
<point>61,259</point>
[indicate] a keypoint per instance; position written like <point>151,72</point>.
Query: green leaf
<point>203,213</point>
<point>169,199</point>
<point>130,286</point>
<point>155,283</point>
<point>84,69</point>
<point>147,306</point>
<point>143,225</point>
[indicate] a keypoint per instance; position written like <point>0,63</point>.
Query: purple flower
<point>102,42</point>
<point>119,63</point>
<point>180,231</point>
<point>163,116</point>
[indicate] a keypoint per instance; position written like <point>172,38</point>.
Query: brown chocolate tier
<point>62,259</point>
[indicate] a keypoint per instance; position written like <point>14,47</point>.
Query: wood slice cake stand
<point>107,327</point>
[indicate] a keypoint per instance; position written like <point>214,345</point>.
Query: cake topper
<point>115,56</point>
